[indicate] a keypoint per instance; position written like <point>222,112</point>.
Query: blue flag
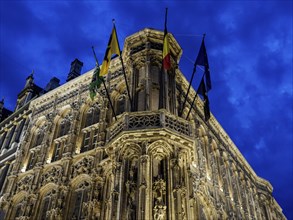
<point>203,92</point>
<point>202,60</point>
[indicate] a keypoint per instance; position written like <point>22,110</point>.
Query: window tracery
<point>79,198</point>
<point>90,132</point>
<point>39,136</point>
<point>64,126</point>
<point>47,204</point>
<point>61,136</point>
<point>92,116</point>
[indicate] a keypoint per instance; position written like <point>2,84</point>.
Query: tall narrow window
<point>45,208</point>
<point>57,151</point>
<point>120,105</point>
<point>86,142</point>
<point>38,138</point>
<point>64,127</point>
<point>46,204</point>
<point>9,137</point>
<point>2,138</point>
<point>19,130</point>
<point>79,197</point>
<point>32,160</point>
<point>155,88</point>
<point>92,116</point>
<point>90,140</point>
<point>18,211</point>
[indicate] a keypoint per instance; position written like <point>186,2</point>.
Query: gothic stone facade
<point>77,162</point>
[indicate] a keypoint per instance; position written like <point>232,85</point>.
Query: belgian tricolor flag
<point>112,48</point>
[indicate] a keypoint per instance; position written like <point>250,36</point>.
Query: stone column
<point>147,83</point>
<point>143,211</point>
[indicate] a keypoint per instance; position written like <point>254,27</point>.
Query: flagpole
<point>191,106</point>
<point>185,98</point>
<point>107,93</point>
<point>166,15</point>
<point>190,82</point>
<point>123,68</point>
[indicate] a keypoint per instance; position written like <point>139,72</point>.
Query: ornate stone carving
<point>159,191</point>
<point>25,183</point>
<point>83,166</point>
<point>160,212</point>
<point>52,175</point>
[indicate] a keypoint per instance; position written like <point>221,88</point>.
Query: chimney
<point>54,83</point>
<point>75,70</point>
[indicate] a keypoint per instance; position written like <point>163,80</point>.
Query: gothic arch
<point>121,87</point>
<point>90,115</point>
<point>75,182</point>
<point>89,102</point>
<point>34,138</point>
<point>48,195</point>
<point>47,188</point>
<point>17,205</point>
<point>80,194</point>
<point>130,151</point>
<point>159,149</point>
<point>61,127</point>
<point>201,131</point>
<point>17,198</point>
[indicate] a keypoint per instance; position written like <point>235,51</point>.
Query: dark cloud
<point>249,44</point>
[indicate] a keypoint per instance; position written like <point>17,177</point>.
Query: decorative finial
<point>113,21</point>
<point>204,35</point>
<point>32,74</point>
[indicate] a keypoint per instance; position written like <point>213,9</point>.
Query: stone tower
<point>77,162</point>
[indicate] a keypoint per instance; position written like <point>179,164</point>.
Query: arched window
<point>90,136</point>
<point>155,87</point>
<point>120,105</point>
<point>64,127</point>
<point>79,197</point>
<point>58,150</point>
<point>39,136</point>
<point>9,137</point>
<point>60,140</point>
<point>92,116</point>
<point>17,212</point>
<point>2,138</point>
<point>32,159</point>
<point>19,130</point>
<point>46,204</point>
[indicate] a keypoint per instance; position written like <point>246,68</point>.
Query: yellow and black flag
<point>112,48</point>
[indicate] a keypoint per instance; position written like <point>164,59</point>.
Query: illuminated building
<point>77,162</point>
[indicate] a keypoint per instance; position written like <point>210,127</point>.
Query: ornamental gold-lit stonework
<point>75,161</point>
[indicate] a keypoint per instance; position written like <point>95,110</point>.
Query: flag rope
<point>191,61</point>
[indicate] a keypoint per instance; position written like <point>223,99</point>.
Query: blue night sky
<point>249,45</point>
